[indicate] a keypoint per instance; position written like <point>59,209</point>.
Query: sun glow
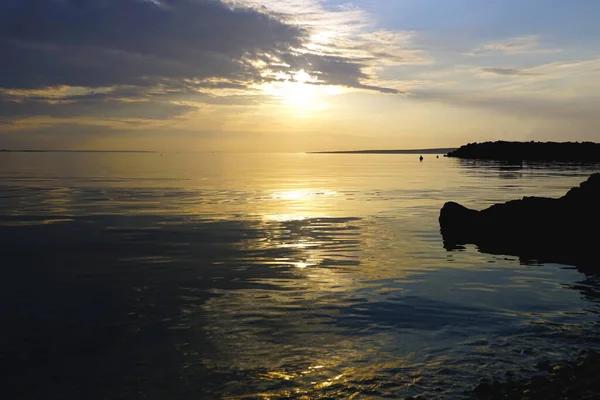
<point>300,92</point>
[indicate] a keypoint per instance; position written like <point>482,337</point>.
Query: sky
<point>296,75</point>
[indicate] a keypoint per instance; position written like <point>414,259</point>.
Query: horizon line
<point>222,151</point>
<point>434,150</point>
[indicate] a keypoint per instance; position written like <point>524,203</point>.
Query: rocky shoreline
<point>563,230</point>
<point>530,151</point>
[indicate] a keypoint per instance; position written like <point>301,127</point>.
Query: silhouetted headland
<point>530,151</point>
<point>409,151</point>
<point>563,230</point>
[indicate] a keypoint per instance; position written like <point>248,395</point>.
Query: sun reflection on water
<point>299,204</point>
<point>301,194</point>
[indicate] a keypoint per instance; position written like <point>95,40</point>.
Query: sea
<point>272,276</point>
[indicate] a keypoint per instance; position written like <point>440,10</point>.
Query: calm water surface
<point>237,276</point>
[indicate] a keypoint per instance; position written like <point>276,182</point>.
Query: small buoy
<point>421,158</point>
<point>437,156</point>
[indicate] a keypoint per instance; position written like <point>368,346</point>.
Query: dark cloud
<point>96,43</point>
<point>334,70</point>
<point>506,71</point>
<point>120,103</point>
<point>99,43</point>
<point>155,51</point>
<point>92,105</point>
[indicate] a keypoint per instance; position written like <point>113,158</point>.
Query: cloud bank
<point>162,58</point>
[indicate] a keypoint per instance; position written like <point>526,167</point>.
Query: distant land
<point>410,151</point>
<point>530,151</point>
<point>76,151</point>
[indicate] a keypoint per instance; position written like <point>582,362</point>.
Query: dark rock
<point>531,151</point>
<point>563,230</point>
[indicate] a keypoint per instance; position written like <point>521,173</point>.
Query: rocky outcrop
<point>530,151</point>
<point>564,230</point>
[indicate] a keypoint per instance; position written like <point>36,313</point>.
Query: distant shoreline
<point>409,151</point>
<point>76,151</point>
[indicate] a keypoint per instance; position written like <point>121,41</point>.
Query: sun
<point>300,92</point>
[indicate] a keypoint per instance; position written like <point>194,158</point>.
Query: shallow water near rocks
<point>247,276</point>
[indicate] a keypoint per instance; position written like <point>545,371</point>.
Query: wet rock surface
<point>564,230</point>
